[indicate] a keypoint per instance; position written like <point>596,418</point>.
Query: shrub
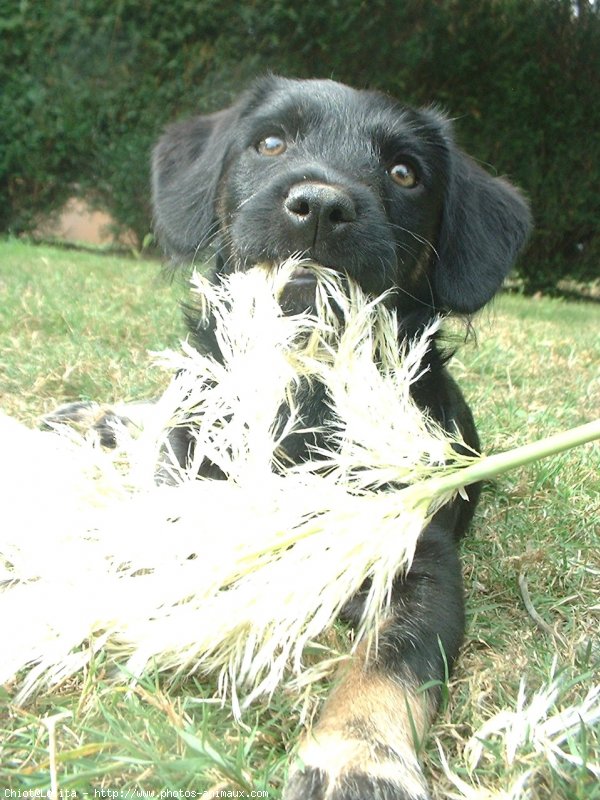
<point>87,87</point>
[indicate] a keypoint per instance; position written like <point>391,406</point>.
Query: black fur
<point>327,191</point>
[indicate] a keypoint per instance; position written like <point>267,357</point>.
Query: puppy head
<point>350,179</point>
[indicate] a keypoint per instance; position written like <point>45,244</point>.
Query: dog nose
<point>318,208</point>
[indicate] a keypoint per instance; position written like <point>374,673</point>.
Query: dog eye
<point>271,146</point>
<point>404,175</point>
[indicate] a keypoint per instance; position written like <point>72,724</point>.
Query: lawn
<point>77,325</point>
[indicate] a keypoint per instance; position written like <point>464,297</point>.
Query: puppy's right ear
<point>187,164</point>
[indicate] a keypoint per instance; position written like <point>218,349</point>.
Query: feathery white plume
<point>238,575</point>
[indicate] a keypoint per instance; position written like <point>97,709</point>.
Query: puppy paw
<point>314,784</point>
<point>363,746</point>
<point>84,417</point>
<point>338,767</point>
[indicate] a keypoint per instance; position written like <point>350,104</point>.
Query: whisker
<point>417,236</point>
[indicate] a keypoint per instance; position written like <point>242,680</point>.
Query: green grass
<point>78,325</point>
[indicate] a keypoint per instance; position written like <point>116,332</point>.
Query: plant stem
<point>490,466</point>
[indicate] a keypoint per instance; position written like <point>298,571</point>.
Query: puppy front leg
<point>364,745</point>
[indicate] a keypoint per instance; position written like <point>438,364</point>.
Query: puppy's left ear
<point>485,224</point>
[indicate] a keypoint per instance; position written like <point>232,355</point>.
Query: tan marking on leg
<point>368,726</point>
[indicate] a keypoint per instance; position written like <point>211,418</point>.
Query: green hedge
<point>85,88</point>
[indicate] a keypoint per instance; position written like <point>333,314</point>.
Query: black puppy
<point>359,183</point>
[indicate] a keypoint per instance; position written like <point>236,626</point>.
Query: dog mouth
<point>301,274</point>
<point>295,277</point>
<point>298,294</point>
<point>302,285</point>
<point>302,277</point>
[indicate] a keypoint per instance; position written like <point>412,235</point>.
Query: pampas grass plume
<point>236,576</point>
